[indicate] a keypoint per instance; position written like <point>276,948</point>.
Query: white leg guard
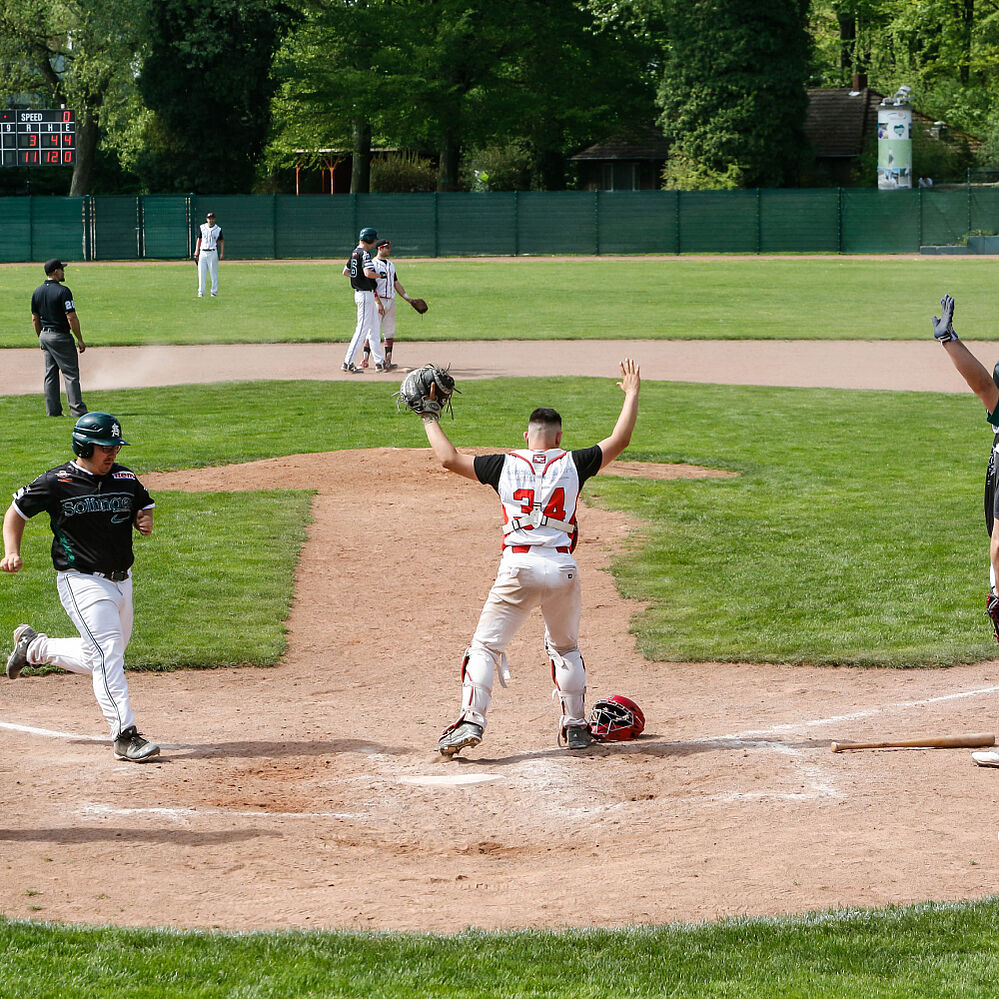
<point>569,677</point>
<point>477,669</point>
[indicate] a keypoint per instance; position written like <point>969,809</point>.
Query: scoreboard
<point>37,138</point>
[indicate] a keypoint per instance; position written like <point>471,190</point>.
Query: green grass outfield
<point>921,952</point>
<point>637,297</point>
<point>853,532</point>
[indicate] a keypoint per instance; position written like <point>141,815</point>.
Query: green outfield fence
<point>827,220</point>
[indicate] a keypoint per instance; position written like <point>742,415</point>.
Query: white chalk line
<point>187,813</point>
<point>853,716</point>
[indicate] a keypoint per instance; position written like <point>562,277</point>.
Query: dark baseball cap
<point>53,265</point>
<point>383,242</point>
<point>209,215</point>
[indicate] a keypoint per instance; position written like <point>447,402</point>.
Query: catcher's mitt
<point>992,609</point>
<point>427,391</point>
<point>419,305</point>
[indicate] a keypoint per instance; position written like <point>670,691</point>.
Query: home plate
<point>456,779</point>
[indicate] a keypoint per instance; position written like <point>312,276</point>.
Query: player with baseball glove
<point>427,392</point>
<point>538,487</point>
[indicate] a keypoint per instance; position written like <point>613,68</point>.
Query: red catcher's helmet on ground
<point>616,719</point>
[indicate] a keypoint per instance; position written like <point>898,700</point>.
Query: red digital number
<point>67,156</point>
<point>67,116</point>
<point>67,139</point>
<point>30,156</point>
<point>51,155</point>
<point>53,139</point>
<point>32,141</point>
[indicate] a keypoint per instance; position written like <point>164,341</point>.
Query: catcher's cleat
<point>131,746</point>
<point>351,369</point>
<point>461,736</point>
<point>379,367</point>
<point>986,758</point>
<point>578,737</point>
<point>24,635</point>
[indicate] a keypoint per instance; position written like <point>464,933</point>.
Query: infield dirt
<point>311,795</point>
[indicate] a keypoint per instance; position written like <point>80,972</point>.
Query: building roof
<point>649,146</point>
<point>839,119</point>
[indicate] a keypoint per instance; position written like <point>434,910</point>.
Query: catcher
<point>387,289</point>
<point>538,487</point>
<point>986,387</point>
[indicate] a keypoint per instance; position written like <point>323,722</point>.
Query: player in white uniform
<point>387,288</point>
<point>208,252</point>
<point>539,489</point>
<point>93,504</point>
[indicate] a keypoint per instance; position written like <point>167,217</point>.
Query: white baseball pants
<point>366,329</point>
<point>102,612</point>
<point>539,578</point>
<point>208,264</point>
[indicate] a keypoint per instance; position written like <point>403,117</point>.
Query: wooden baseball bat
<point>931,742</point>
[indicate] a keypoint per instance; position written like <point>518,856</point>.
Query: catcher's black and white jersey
<point>539,491</point>
<point>91,515</point>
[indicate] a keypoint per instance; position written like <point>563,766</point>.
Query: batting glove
<point>943,325</point>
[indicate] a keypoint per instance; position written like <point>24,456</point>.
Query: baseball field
<point>769,567</point>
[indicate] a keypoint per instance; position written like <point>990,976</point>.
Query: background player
<point>93,503</point>
<point>53,313</point>
<point>387,288</point>
<point>208,252</point>
<point>539,489</point>
<point>363,278</point>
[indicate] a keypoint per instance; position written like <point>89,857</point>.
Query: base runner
<point>93,503</point>
<point>538,487</point>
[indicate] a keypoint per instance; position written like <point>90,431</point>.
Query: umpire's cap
<point>53,265</point>
<point>368,235</point>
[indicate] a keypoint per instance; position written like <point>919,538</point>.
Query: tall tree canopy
<point>206,78</point>
<point>733,91</point>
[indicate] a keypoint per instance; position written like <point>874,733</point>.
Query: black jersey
<point>360,260</point>
<point>91,515</point>
<point>52,301</point>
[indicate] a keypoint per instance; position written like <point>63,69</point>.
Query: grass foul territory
<point>731,298</point>
<point>939,951</point>
<point>853,532</point>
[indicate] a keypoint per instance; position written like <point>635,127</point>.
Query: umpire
<point>53,313</point>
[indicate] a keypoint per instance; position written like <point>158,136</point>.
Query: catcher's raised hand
<point>631,377</point>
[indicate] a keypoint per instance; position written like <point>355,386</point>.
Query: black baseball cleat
<point>462,736</point>
<point>131,746</point>
<point>24,635</point>
<point>578,737</point>
<point>351,369</point>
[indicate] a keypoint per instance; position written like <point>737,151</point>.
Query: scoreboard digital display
<point>37,138</point>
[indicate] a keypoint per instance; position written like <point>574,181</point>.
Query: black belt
<point>116,576</point>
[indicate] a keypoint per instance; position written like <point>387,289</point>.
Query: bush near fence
<point>827,220</point>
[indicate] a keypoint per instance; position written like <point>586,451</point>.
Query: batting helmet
<point>995,374</point>
<point>368,235</point>
<point>616,719</point>
<point>96,428</point>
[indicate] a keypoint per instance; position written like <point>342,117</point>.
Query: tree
<point>733,91</point>
<point>206,77</point>
<point>78,54</point>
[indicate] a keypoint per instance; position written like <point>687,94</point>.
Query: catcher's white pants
<point>208,266</point>
<point>541,578</point>
<point>366,328</point>
<point>102,612</point>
